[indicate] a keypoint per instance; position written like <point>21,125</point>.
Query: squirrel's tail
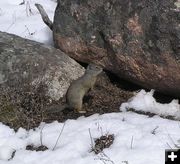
<point>56,108</point>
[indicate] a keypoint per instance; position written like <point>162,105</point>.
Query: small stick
<point>41,135</point>
<point>173,141</point>
<point>91,138</point>
<point>58,137</point>
<point>154,130</point>
<point>132,142</point>
<point>168,145</point>
<point>44,16</point>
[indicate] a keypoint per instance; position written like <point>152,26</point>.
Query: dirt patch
<point>106,97</point>
<point>27,109</point>
<point>34,148</point>
<point>103,142</point>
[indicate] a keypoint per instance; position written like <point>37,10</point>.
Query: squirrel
<point>77,89</point>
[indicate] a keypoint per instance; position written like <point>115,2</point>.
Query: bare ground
<point>106,97</point>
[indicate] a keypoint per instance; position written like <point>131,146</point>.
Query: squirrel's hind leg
<point>78,108</point>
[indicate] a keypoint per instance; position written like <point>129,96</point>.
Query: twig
<point>13,22</point>
<point>58,137</point>
<point>132,142</point>
<point>168,145</point>
<point>28,9</point>
<point>101,131</point>
<point>44,16</point>
<point>30,33</point>
<point>105,155</point>
<point>104,158</point>
<point>99,128</point>
<point>91,138</point>
<point>154,130</point>
<point>177,146</point>
<point>41,135</point>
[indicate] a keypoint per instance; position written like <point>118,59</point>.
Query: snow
<point>6,152</point>
<point>144,101</point>
<point>25,20</point>
<point>151,136</point>
<point>138,138</point>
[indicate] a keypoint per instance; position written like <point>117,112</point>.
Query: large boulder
<point>138,40</point>
<point>32,77</point>
<point>30,70</point>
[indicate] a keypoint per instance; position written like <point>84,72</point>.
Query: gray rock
<point>26,65</point>
<point>138,40</point>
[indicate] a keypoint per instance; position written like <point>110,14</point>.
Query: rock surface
<point>28,63</point>
<point>138,40</point>
<point>32,76</point>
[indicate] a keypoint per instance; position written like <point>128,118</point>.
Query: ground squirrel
<point>77,89</point>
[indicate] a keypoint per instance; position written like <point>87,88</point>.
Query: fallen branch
<point>44,16</point>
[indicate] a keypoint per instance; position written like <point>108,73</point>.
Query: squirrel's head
<point>94,69</point>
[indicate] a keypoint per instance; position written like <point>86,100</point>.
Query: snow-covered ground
<point>25,20</point>
<point>145,102</point>
<point>138,138</point>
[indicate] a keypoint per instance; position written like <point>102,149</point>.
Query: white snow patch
<point>6,152</point>
<point>144,101</point>
<point>151,136</point>
<point>25,20</point>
